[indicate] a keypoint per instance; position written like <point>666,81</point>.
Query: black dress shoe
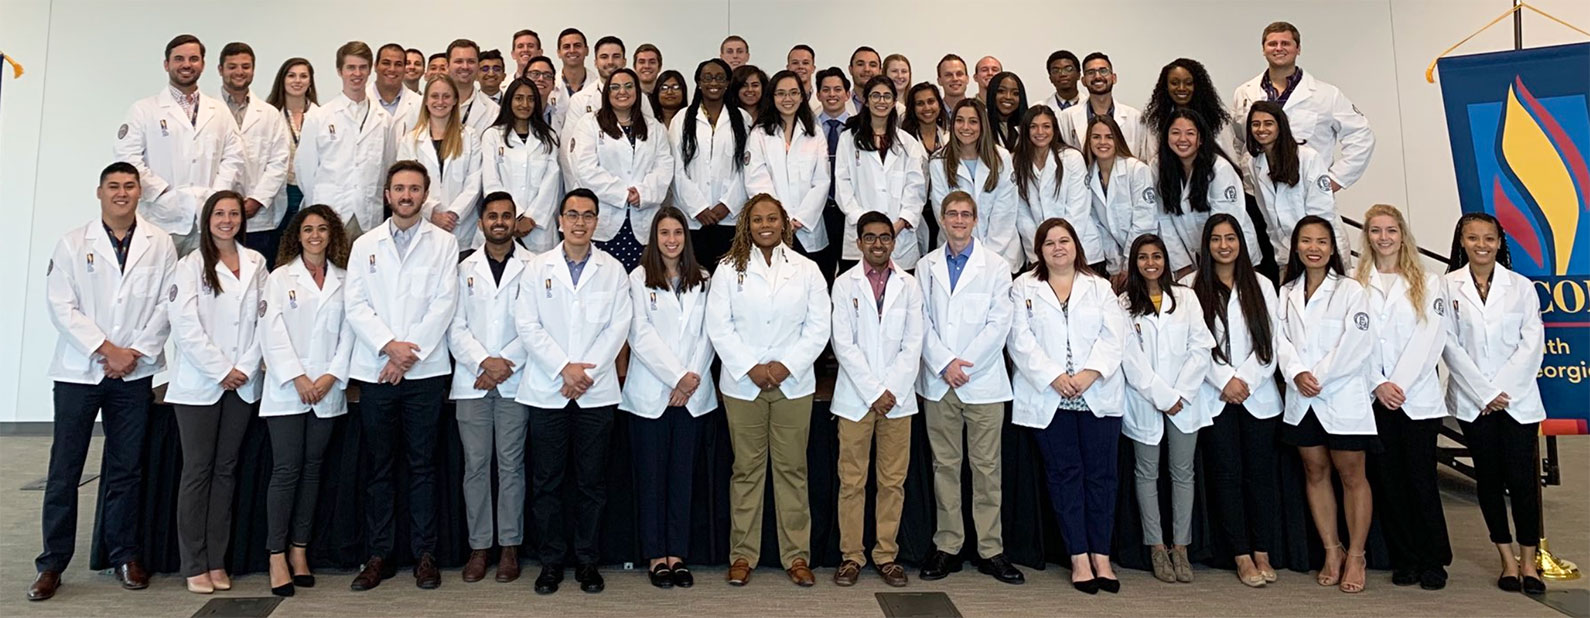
<point>661,576</point>
<point>547,582</point>
<point>1433,579</point>
<point>590,578</point>
<point>284,590</point>
<point>1000,567</point>
<point>1509,583</point>
<point>1404,577</point>
<point>304,581</point>
<point>1107,584</point>
<point>682,576</point>
<point>939,565</point>
<point>1533,585</point>
<point>1089,586</point>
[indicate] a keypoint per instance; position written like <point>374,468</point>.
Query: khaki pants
<point>893,458</point>
<point>982,423</point>
<point>770,422</point>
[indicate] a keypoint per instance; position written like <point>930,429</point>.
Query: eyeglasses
<point>1100,72</point>
<point>1064,70</point>
<point>880,97</point>
<point>873,239</point>
<point>626,86</point>
<point>786,94</point>
<point>959,214</point>
<point>586,216</point>
<point>539,75</point>
<point>492,69</point>
<point>713,79</point>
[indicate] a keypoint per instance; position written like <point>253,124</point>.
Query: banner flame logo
<point>1547,178</point>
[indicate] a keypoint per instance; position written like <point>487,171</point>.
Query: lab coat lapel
<point>1300,93</point>
<point>891,290</point>
<point>174,115</point>
<point>208,111</point>
<point>973,270</point>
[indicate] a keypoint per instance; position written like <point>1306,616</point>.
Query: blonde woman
<point>450,153</point>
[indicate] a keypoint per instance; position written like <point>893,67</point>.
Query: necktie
<point>833,145</point>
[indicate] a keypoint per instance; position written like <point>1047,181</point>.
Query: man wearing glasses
<point>1099,77</point>
<point>573,315</point>
<point>492,71</point>
<point>1064,71</point>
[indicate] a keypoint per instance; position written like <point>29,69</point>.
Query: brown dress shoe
<point>475,568</point>
<point>374,571</point>
<point>44,586</point>
<point>846,574</point>
<point>801,574</point>
<point>426,575</point>
<point>132,575</point>
<point>893,574</point>
<point>739,573</point>
<point>508,564</point>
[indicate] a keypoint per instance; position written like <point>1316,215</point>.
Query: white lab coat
<point>408,104</point>
<point>1184,233</point>
<point>1070,201</point>
<point>714,175</point>
<point>560,322</point>
<point>266,147</point>
<point>1283,205</point>
<point>92,300</point>
<point>1094,328</point>
<point>667,339</point>
<point>455,186</point>
<point>565,121</point>
<point>1321,116</point>
<point>529,172</point>
<point>797,176</point>
<point>1332,336</point>
<point>1264,397</point>
<point>1125,209</point>
<point>609,166</point>
<point>343,159</point>
<point>1409,341</point>
<point>893,185</point>
<point>998,211</point>
<point>1074,127</point>
<point>478,111</point>
<point>769,312</point>
<point>969,323</point>
<point>304,333</point>
<point>180,162</point>
<point>483,323</point>
<point>1167,358</point>
<point>216,333</point>
<point>878,349</point>
<point>394,298</point>
<point>1493,346</point>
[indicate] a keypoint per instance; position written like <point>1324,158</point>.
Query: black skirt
<point>1309,432</point>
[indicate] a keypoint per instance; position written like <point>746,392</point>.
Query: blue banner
<point>1519,122</point>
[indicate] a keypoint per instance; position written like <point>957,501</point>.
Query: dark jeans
<point>412,408</point>
<point>1504,452</point>
<point>664,452</point>
<point>126,410</point>
<point>298,445</point>
<point>560,437</point>
<point>1407,498</point>
<point>1079,463</point>
<point>211,436</point>
<point>1239,459</point>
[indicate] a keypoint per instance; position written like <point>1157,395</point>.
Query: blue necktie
<point>833,146</point>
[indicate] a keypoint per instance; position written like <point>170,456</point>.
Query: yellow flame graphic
<point>1534,160</point>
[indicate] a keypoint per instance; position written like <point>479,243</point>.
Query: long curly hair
<point>1409,266</point>
<point>336,245</point>
<point>1205,99</point>
<point>740,250</point>
<point>1460,258</point>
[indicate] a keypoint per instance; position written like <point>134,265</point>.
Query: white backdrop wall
<point>87,60</point>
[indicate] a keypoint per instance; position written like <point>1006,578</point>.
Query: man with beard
<point>1098,75</point>
<point>490,360</point>
<point>266,150</point>
<point>182,145</point>
<point>401,289</point>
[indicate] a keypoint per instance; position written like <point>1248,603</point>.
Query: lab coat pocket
<point>138,282</point>
<point>596,308</point>
<point>894,326</point>
<point>418,284</point>
<point>1512,328</point>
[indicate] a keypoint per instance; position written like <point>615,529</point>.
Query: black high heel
<point>302,581</point>
<point>1107,584</point>
<point>284,590</point>
<point>1088,586</point>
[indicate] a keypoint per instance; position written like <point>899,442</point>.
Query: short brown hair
<point>354,48</point>
<point>958,196</point>
<point>1281,26</point>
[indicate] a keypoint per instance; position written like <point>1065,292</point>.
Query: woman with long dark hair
<point>1165,364</point>
<point>924,119</point>
<point>1051,181</point>
<point>768,316</point>
<point>306,347</point>
<point>1124,203</point>
<point>1006,101</point>
<point>788,160</point>
<point>747,89</point>
<point>1184,83</point>
<point>1326,342</point>
<point>1240,310</point>
<point>1291,181</point>
<point>709,140</point>
<point>668,389</point>
<point>519,156</point>
<point>1067,340</point>
<point>973,161</point>
<point>1494,348</point>
<point>1195,179</point>
<point>623,157</point>
<point>292,92</point>
<point>878,168</point>
<point>215,382</point>
<point>671,96</point>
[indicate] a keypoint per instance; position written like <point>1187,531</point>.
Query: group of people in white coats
<point>1109,254</point>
